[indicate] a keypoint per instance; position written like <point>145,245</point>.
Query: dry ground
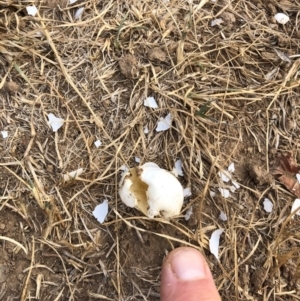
<point>234,97</point>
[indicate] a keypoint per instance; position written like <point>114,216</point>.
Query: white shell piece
<point>212,193</point>
<point>78,13</point>
<point>137,159</point>
<point>296,205</point>
<point>164,123</point>
<point>150,102</point>
<point>231,167</point>
<point>178,168</point>
<point>268,205</point>
<point>224,192</point>
<point>214,242</point>
<point>223,216</point>
<point>72,1</point>
<point>187,192</point>
<point>4,134</point>
<point>32,10</point>
<point>124,168</point>
<point>297,176</point>
<point>281,18</point>
<point>146,129</point>
<point>216,22</point>
<point>188,213</point>
<point>101,211</point>
<point>55,122</point>
<point>98,143</point>
<point>223,176</point>
<point>236,184</point>
<point>232,188</point>
<point>73,174</point>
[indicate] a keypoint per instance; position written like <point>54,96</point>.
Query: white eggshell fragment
<point>212,194</point>
<point>223,216</point>
<point>72,175</point>
<point>268,205</point>
<point>55,122</point>
<point>101,211</point>
<point>298,177</point>
<point>187,192</point>
<point>98,143</point>
<point>224,192</point>
<point>216,22</point>
<point>224,176</point>
<point>236,184</point>
<point>152,190</point>
<point>281,18</point>
<point>177,170</point>
<point>31,10</point>
<point>164,123</point>
<point>296,205</point>
<point>4,134</point>
<point>78,13</point>
<point>124,169</point>
<point>150,102</point>
<point>146,129</point>
<point>231,167</point>
<point>215,241</point>
<point>188,214</point>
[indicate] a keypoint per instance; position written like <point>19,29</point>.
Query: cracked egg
<point>152,190</point>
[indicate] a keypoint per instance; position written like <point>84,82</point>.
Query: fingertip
<point>187,277</point>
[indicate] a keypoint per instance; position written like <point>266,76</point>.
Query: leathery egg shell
<point>152,190</point>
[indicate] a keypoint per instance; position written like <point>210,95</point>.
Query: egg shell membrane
<point>139,190</point>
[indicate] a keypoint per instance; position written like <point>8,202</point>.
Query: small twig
<point>23,296</point>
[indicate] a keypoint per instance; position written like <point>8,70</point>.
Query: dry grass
<point>232,98</point>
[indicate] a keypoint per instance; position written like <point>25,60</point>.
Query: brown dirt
<point>128,66</point>
<point>232,99</point>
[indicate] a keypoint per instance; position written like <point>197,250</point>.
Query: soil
<point>233,99</point>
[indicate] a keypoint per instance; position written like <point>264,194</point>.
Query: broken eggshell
<point>152,190</point>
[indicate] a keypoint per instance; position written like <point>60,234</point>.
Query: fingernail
<point>188,265</point>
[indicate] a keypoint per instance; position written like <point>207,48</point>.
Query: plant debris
<point>286,170</point>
